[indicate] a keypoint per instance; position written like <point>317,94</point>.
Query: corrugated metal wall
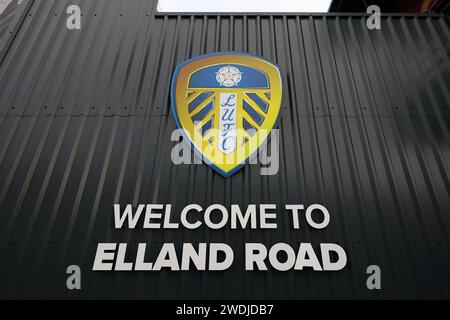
<point>85,123</point>
<point>7,14</point>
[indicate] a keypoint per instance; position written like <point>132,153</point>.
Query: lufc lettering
<point>227,123</point>
<point>218,256</point>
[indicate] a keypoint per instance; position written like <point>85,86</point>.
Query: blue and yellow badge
<point>226,104</point>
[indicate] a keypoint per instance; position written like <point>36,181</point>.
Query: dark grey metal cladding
<point>383,178</point>
<point>85,123</point>
<point>333,64</point>
<point>69,68</point>
<point>6,17</point>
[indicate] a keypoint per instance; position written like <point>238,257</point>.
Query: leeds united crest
<point>226,104</point>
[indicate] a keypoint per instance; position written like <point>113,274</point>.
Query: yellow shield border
<point>181,77</point>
